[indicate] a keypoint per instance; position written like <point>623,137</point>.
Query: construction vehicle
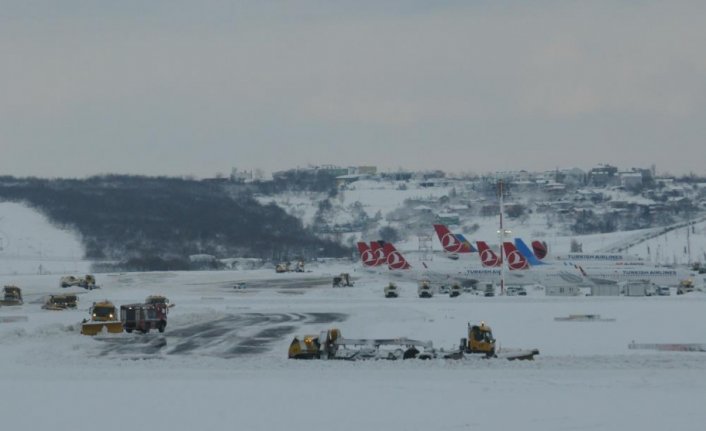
<point>455,290</point>
<point>424,289</point>
<point>685,286</point>
<point>60,302</point>
<point>331,345</point>
<point>12,295</point>
<point>87,282</point>
<point>391,290</point>
<point>343,280</point>
<point>103,317</point>
<point>481,341</point>
<point>143,317</point>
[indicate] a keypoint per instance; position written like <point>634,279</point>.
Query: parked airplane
<point>602,270</point>
<point>446,271</point>
<point>452,243</point>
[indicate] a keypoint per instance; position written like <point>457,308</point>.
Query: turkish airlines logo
<point>368,258</point>
<point>489,258</point>
<point>516,261</point>
<point>379,257</point>
<point>451,243</point>
<point>396,261</point>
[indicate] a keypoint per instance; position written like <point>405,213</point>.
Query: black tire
<point>161,326</point>
<point>128,330</point>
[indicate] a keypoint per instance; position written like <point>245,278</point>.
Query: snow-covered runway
<point>222,361</point>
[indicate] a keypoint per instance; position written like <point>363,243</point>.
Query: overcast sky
<point>198,87</point>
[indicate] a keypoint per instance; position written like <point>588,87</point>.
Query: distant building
<point>448,218</point>
<point>631,180</point>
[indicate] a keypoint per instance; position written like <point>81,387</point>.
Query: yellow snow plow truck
<point>12,295</point>
<point>480,340</point>
<point>60,302</point>
<point>331,345</point>
<point>103,315</point>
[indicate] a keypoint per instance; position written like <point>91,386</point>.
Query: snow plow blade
<point>518,355</point>
<point>95,328</point>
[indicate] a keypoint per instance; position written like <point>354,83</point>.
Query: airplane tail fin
<point>467,246</point>
<point>515,259</point>
<point>366,255</point>
<point>395,260</point>
<point>378,252</point>
<point>487,256</point>
<point>452,243</point>
<point>540,249</point>
<point>527,253</point>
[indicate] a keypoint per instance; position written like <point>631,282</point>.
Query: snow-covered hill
<point>31,244</point>
<point>662,245</point>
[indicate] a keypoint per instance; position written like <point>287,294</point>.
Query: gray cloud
<point>185,88</point>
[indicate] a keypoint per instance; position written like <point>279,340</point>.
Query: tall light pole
<point>501,233</point>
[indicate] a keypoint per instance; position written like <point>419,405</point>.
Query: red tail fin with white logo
<point>395,260</point>
<point>366,255</point>
<point>487,256</point>
<point>378,251</point>
<point>451,242</point>
<point>515,259</point>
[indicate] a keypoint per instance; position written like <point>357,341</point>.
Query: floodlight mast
<point>501,233</point>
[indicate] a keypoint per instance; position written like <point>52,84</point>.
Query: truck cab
<point>144,317</point>
<point>480,340</point>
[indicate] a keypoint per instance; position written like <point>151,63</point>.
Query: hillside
<point>157,223</point>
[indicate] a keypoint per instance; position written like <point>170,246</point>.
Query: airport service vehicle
<point>480,340</point>
<point>342,280</point>
<point>60,302</point>
<point>87,282</point>
<point>12,295</point>
<point>516,291</point>
<point>331,344</point>
<point>103,317</point>
<point>424,289</point>
<point>391,291</point>
<point>144,317</point>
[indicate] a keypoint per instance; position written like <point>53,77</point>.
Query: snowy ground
<point>221,362</point>
<point>222,359</point>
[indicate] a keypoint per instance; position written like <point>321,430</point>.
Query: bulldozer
<point>12,295</point>
<point>60,302</point>
<point>103,315</point>
<point>343,280</point>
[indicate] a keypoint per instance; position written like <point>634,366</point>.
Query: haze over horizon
<point>182,88</point>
